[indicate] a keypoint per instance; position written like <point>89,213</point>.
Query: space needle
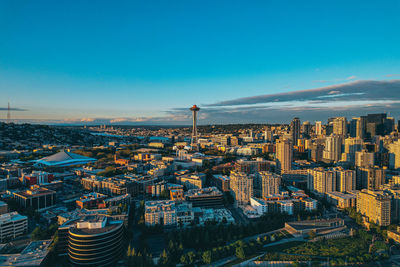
<point>194,143</point>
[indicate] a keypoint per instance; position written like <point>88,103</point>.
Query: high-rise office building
<point>268,136</point>
<point>351,146</point>
<point>318,128</point>
<point>346,180</point>
<point>340,126</point>
<point>361,127</point>
<point>394,155</point>
<point>371,178</point>
<point>321,180</point>
<point>306,128</point>
<point>353,127</point>
<point>295,130</point>
<point>364,159</point>
<point>378,124</point>
<point>333,148</point>
<point>284,155</point>
<point>270,183</point>
<point>316,152</point>
<point>375,205</point>
<point>241,187</point>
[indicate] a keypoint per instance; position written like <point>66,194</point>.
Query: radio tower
<point>8,113</point>
<point>194,143</point>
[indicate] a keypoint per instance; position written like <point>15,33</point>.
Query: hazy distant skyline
<point>148,62</point>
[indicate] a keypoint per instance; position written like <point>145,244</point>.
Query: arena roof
<point>63,159</point>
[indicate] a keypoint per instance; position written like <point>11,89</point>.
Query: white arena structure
<point>64,159</point>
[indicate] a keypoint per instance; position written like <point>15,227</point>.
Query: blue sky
<point>145,61</point>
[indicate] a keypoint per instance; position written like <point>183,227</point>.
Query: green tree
<point>240,253</point>
<point>207,257</point>
<point>191,257</point>
<point>164,194</point>
<point>38,234</point>
<point>184,259</point>
<point>164,258</point>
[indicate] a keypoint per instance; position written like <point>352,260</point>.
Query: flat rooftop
<point>32,255</point>
<point>203,192</point>
<point>35,192</point>
<point>12,216</point>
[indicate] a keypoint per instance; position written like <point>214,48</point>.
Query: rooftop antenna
<point>8,113</point>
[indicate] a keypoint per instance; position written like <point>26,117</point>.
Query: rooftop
<point>32,255</point>
<point>208,191</point>
<point>222,177</point>
<point>92,196</point>
<point>64,158</point>
<point>35,192</point>
<point>12,216</point>
<point>95,224</point>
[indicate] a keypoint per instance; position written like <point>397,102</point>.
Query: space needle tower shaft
<point>194,143</point>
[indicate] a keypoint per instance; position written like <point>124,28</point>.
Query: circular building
<point>94,241</point>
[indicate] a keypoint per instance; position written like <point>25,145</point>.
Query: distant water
<point>151,138</point>
<point>110,135</point>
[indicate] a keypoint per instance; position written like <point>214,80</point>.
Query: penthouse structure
<point>209,197</point>
<point>374,205</point>
<point>36,198</point>
<point>12,225</point>
<point>95,241</point>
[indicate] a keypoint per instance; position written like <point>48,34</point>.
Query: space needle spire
<point>8,113</point>
<point>194,143</point>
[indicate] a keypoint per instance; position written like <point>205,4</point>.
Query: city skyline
<point>146,63</point>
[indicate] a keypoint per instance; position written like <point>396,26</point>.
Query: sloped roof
<point>64,158</point>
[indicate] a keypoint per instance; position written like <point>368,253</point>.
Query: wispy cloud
<point>171,117</point>
<point>352,77</point>
<point>14,109</point>
<point>357,90</point>
<point>392,75</point>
